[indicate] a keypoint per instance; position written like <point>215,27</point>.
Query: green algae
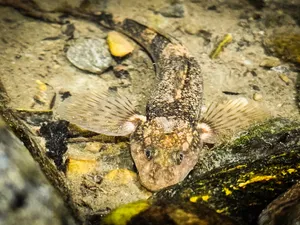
<point>270,127</point>
<point>285,45</point>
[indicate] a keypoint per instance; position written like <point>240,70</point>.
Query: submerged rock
<point>270,62</point>
<point>285,45</point>
<point>90,54</point>
<point>26,196</point>
<point>176,10</point>
<point>283,210</point>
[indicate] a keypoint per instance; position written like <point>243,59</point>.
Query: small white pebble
<point>257,96</point>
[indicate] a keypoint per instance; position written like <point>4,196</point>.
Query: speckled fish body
<point>166,142</point>
<point>165,148</point>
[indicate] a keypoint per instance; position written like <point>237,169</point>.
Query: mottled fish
<point>166,142</point>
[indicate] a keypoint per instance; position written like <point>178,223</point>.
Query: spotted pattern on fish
<point>166,146</point>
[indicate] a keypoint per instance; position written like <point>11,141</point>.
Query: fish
<point>166,142</point>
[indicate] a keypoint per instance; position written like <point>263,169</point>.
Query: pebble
<point>78,166</point>
<point>191,29</point>
<point>121,71</point>
<point>270,62</point>
<point>90,54</point>
<point>175,10</point>
<point>257,97</point>
<point>93,146</point>
<point>119,46</point>
<point>284,78</point>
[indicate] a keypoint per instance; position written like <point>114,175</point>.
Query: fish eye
<point>149,153</point>
<point>179,158</point>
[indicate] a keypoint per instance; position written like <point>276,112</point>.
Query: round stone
<point>90,54</point>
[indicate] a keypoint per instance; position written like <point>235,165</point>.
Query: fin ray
<point>230,116</point>
<point>106,113</point>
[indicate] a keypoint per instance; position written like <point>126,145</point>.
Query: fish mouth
<point>159,178</point>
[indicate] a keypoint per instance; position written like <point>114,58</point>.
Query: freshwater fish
<point>166,142</point>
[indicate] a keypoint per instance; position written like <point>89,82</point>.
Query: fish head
<point>164,150</point>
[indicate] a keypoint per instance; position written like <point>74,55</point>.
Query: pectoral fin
<point>106,113</point>
<point>228,117</point>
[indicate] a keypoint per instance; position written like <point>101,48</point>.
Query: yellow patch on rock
<point>118,45</point>
<point>222,210</point>
<point>77,166</point>
<point>205,198</point>
<point>291,170</point>
<point>123,176</point>
<point>256,179</point>
<point>227,191</point>
<point>194,199</point>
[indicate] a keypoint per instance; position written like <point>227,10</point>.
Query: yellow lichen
<point>256,179</point>
<point>194,199</point>
<point>205,198</point>
<point>222,210</point>
<point>291,170</point>
<point>241,166</point>
<point>227,191</point>
<point>234,168</point>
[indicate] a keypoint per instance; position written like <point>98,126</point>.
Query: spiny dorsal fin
<point>228,117</point>
<point>106,113</point>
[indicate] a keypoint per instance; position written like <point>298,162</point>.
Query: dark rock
<point>240,180</point>
<point>283,210</point>
<point>55,134</point>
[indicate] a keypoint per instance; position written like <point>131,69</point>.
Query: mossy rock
<point>286,46</point>
<point>260,165</point>
<point>265,162</point>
